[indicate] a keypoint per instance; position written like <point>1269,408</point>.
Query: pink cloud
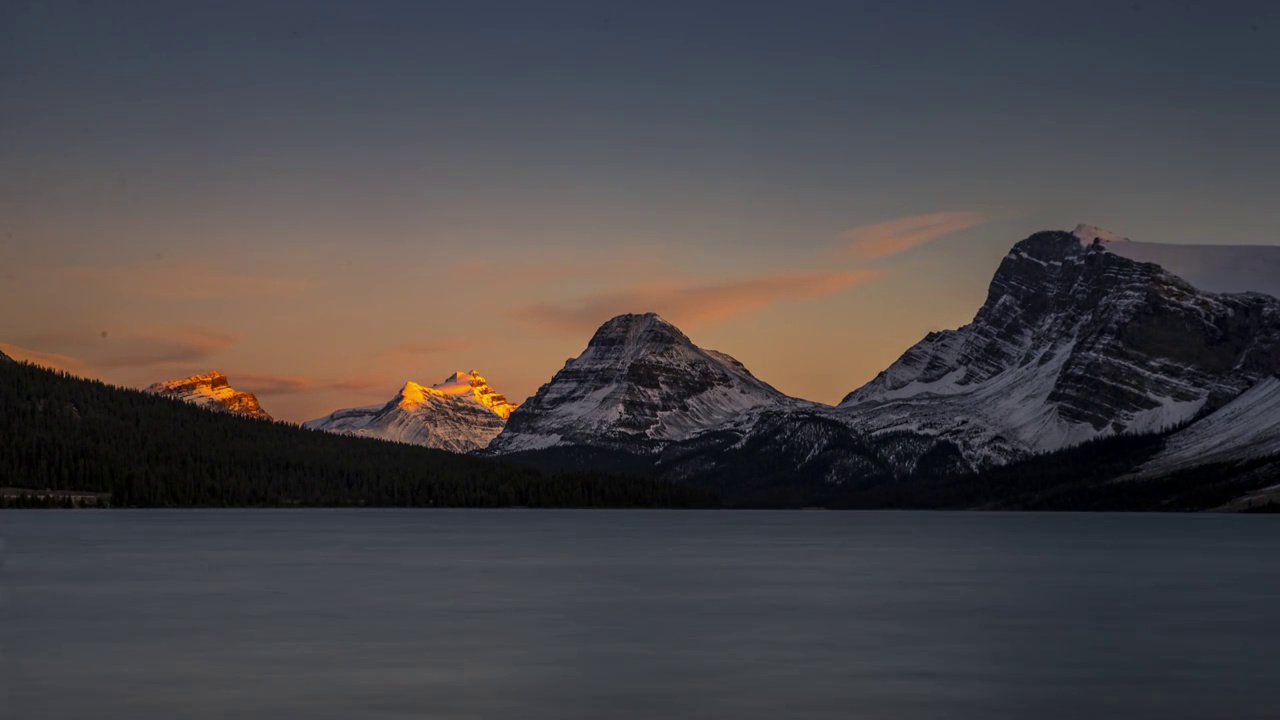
<point>126,348</point>
<point>870,242</point>
<point>691,305</point>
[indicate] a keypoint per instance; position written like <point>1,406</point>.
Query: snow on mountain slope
<point>1247,427</point>
<point>640,384</point>
<point>460,414</point>
<point>1075,341</point>
<point>211,391</point>
<point>1212,268</point>
<point>474,387</point>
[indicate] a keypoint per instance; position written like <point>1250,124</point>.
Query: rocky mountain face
<point>460,414</point>
<point>211,391</point>
<point>639,386</point>
<point>1074,342</point>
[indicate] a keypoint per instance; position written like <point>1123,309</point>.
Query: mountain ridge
<point>1075,342</point>
<point>211,391</point>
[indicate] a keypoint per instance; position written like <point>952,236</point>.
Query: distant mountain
<point>639,386</point>
<point>212,392</point>
<point>460,414</point>
<point>5,358</point>
<point>60,434</point>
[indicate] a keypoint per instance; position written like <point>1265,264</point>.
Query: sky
<point>326,199</point>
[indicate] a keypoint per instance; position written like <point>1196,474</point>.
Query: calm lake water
<point>598,615</point>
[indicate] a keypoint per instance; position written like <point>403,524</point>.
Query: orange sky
<point>310,335</point>
<point>325,202</point>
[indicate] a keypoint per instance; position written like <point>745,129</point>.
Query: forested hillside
<point>1095,476</point>
<point>63,433</point>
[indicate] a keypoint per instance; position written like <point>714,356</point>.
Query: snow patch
<point>1247,427</point>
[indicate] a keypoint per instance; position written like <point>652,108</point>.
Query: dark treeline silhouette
<point>1095,476</point>
<point>63,439</point>
<point>1092,476</point>
<point>61,433</point>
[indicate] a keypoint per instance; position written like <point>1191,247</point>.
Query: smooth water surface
<point>152,615</point>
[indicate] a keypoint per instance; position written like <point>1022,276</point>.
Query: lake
<point>369,614</point>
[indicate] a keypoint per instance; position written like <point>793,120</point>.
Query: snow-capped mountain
<point>460,414</point>
<point>211,391</point>
<point>1248,427</point>
<point>1075,341</point>
<point>1081,337</point>
<point>639,386</point>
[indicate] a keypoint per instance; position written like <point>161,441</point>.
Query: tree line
<point>61,433</point>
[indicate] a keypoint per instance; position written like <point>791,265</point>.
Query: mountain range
<point>1084,337</point>
<point>67,441</point>
<point>1075,342</point>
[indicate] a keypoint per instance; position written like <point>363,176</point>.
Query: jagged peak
<point>211,389</point>
<point>213,378</point>
<point>1087,234</point>
<point>457,385</point>
<point>636,320</point>
<point>1047,246</point>
<point>412,391</point>
<point>462,379</point>
<point>1056,245</point>
<point>636,328</point>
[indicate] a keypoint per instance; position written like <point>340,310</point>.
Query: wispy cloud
<point>871,242</point>
<point>127,348</point>
<point>691,305</point>
<point>422,349</point>
<point>295,384</point>
<point>192,280</point>
<point>162,348</point>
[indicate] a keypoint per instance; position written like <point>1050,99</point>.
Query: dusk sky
<point>326,199</point>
